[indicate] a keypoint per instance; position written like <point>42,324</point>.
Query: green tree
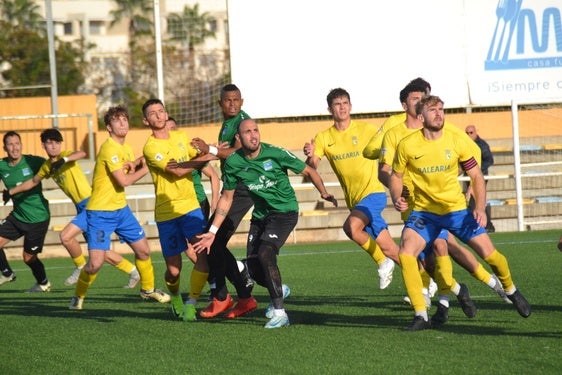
<point>22,13</point>
<point>24,57</point>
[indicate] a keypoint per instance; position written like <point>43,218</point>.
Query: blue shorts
<point>460,223</point>
<point>175,233</point>
<point>81,220</point>
<point>372,206</point>
<point>101,224</point>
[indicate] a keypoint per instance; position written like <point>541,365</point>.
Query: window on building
<point>67,28</point>
<point>213,25</point>
<point>96,27</point>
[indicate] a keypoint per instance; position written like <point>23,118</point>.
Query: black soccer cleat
<point>418,324</point>
<point>521,305</point>
<point>441,316</point>
<point>468,307</point>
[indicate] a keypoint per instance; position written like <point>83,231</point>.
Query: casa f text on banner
<point>473,52</point>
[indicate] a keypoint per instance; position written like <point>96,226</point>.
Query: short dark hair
<point>337,93</point>
<point>228,88</point>
<point>411,87</point>
<point>113,112</point>
<point>148,103</point>
<point>11,133</point>
<point>51,134</point>
<point>170,118</point>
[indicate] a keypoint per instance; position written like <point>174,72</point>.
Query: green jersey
<point>199,189</point>
<point>265,177</point>
<point>29,206</point>
<point>229,129</point>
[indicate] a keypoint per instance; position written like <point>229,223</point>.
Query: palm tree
<point>23,13</point>
<point>190,27</point>
<point>137,13</point>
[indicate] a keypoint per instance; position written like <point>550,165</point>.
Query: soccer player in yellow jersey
<point>178,214</point>
<point>342,144</point>
<point>107,210</point>
<point>432,157</point>
<point>445,243</point>
<point>67,174</point>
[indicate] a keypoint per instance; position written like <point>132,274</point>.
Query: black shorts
<point>34,233</point>
<point>275,228</point>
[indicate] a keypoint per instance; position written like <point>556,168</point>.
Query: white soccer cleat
<point>73,278</point>
<point>432,288</point>
<point>156,295</point>
<point>278,322</point>
<point>134,278</point>
<point>7,279</point>
<point>269,309</point>
<point>38,288</point>
<point>76,303</point>
<point>385,273</point>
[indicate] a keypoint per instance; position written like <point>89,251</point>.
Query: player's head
<point>230,101</point>
<point>12,145</point>
<point>51,140</point>
<point>115,112</point>
<point>422,82</point>
<point>337,94</point>
<point>171,123</point>
<point>470,130</point>
<point>410,88</point>
<point>148,103</point>
<point>430,110</point>
<point>51,135</point>
<point>249,136</point>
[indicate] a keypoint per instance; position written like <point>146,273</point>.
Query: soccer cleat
<point>189,313</point>
<point>39,288</point>
<point>76,303</point>
<point>432,288</point>
<point>216,307</point>
<point>73,278</point>
<point>385,273</point>
<point>498,288</point>
<point>418,324</point>
<point>278,322</point>
<point>156,295</point>
<point>7,279</point>
<point>468,307</point>
<point>269,309</point>
<point>442,314</point>
<point>177,306</point>
<point>134,278</point>
<point>521,305</point>
<point>243,307</point>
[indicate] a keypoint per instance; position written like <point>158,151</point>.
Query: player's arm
<point>373,148</point>
<point>185,167</point>
<point>311,159</point>
<point>221,151</point>
<point>25,186</point>
<point>223,206</point>
<point>215,181</point>
<point>478,190</point>
<point>131,173</point>
<point>318,184</point>
<point>76,155</point>
<point>396,186</point>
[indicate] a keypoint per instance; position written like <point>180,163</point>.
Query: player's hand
<point>6,196</point>
<point>401,204</point>
<point>200,145</point>
<point>308,148</point>
<point>57,165</point>
<point>172,164</point>
<point>330,198</point>
<point>204,243</point>
<point>480,217</point>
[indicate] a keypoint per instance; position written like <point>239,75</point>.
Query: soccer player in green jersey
<point>342,144</point>
<point>222,262</point>
<point>107,210</point>
<point>30,217</point>
<point>262,168</point>
<point>431,157</point>
<point>63,168</point>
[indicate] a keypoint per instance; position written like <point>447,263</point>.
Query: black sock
<point>38,270</point>
<point>4,265</point>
